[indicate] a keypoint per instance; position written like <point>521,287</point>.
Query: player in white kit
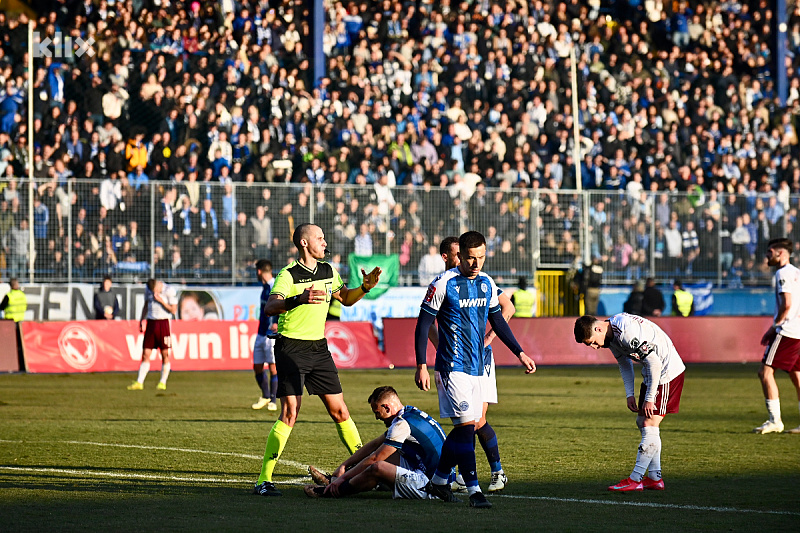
<point>782,339</point>
<point>633,338</point>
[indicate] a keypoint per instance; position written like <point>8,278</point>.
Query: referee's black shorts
<point>305,363</point>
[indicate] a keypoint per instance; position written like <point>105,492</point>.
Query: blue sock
<point>273,386</point>
<point>459,449</point>
<point>488,439</point>
<point>263,384</point>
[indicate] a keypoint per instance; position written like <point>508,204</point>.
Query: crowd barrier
<point>101,346</point>
<point>108,346</point>
<point>9,357</point>
<point>550,341</point>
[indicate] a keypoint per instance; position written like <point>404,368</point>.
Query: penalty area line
<point>149,477</point>
<point>651,504</point>
<point>295,464</point>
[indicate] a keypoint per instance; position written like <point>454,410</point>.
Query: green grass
<point>564,436</point>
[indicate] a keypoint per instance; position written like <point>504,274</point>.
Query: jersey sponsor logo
<point>472,302</point>
<point>77,347</point>
<point>429,295</point>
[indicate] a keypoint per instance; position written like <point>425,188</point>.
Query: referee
<point>301,296</point>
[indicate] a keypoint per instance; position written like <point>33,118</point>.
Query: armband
<point>292,302</point>
<point>364,289</point>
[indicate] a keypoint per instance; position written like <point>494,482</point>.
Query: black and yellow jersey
<point>306,322</point>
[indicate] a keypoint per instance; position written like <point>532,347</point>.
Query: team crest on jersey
<point>484,288</point>
<point>463,406</point>
<point>429,295</point>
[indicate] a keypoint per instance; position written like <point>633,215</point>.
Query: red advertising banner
<point>109,346</point>
<point>551,341</point>
<point>9,359</point>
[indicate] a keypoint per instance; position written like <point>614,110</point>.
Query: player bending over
<point>633,338</point>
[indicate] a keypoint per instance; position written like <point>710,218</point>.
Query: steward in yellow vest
<point>15,303</point>
<point>682,301</point>
<point>524,300</point>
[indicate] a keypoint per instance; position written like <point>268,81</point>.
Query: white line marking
<point>650,504</point>
<point>295,464</point>
<point>303,480</point>
<point>153,477</point>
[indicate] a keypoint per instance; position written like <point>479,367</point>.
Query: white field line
<point>159,448</point>
<point>652,505</point>
<point>151,477</point>
<point>300,481</point>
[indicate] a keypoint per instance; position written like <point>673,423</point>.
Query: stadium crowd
<point>430,114</point>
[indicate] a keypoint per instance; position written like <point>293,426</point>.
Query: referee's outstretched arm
<point>350,296</point>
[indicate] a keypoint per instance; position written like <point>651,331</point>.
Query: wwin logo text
<point>61,46</point>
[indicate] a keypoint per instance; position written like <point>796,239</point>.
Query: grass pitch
<point>79,452</point>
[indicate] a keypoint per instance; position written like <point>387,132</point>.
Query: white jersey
<point>787,280</point>
<point>156,311</point>
<point>637,339</point>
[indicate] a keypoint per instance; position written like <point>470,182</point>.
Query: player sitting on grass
<point>403,458</point>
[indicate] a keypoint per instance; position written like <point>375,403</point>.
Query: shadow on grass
<point>69,503</point>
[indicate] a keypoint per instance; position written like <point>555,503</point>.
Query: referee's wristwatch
<point>364,289</point>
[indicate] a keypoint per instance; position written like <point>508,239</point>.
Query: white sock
<point>648,447</point>
<point>144,368</point>
<point>654,470</point>
<point>165,368</point>
<point>774,409</point>
<point>438,480</point>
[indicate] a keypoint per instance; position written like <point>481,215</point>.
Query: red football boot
<point>652,484</point>
<point>626,485</point>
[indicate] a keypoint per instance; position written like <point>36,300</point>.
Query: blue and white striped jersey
<point>264,321</point>
<point>418,437</point>
<point>461,307</point>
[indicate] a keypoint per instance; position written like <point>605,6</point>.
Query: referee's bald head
<point>302,233</point>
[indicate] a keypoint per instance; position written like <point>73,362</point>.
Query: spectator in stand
<point>653,301</point>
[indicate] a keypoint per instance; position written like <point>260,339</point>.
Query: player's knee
<point>339,413</point>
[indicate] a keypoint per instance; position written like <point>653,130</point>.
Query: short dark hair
<point>522,283</point>
<point>583,328</point>
<point>471,239</point>
<point>781,242</point>
<point>264,265</point>
<point>380,393</point>
<point>300,233</point>
<point>107,277</point>
<point>447,243</point>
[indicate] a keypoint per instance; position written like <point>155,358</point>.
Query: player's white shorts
<point>489,385</point>
<point>409,484</point>
<point>263,352</point>
<point>460,396</point>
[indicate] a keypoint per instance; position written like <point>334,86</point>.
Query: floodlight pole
<point>31,187</point>
<point>576,154</point>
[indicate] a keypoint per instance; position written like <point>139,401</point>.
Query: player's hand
<point>769,336</point>
<point>141,325</point>
<point>527,362</point>
<point>371,279</point>
<point>632,404</point>
<point>312,296</point>
<point>273,328</point>
<point>333,488</point>
<point>489,337</point>
<point>649,409</point>
<point>422,378</point>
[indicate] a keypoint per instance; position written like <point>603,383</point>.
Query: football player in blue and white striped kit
<point>462,301</point>
<point>403,458</point>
